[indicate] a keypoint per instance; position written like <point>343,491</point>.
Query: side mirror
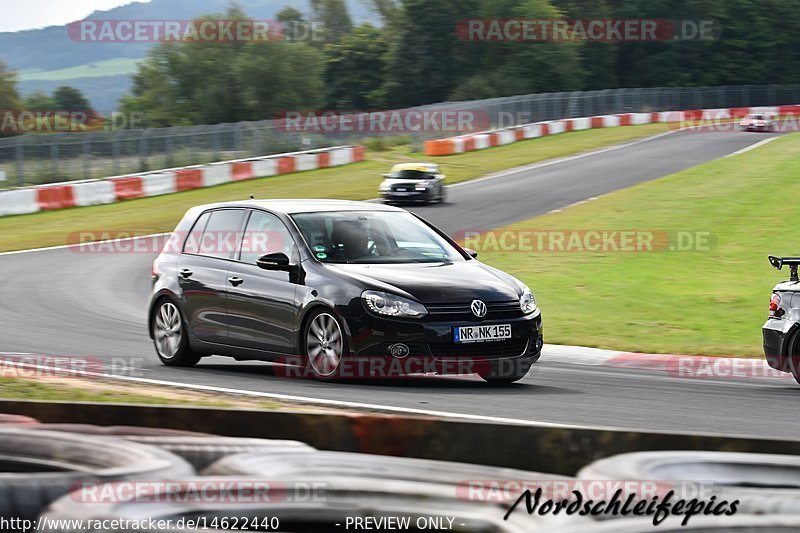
<point>470,252</point>
<point>386,175</point>
<point>275,261</point>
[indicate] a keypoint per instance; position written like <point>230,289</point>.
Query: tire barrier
<point>742,523</point>
<point>343,464</point>
<point>763,483</point>
<point>301,504</point>
<point>201,452</point>
<point>17,419</point>
<point>487,139</point>
<point>118,431</point>
<point>84,471</point>
<point>41,466</point>
<point>141,185</point>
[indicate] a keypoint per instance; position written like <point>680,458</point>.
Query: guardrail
<point>487,139</point>
<point>50,157</point>
<point>119,188</point>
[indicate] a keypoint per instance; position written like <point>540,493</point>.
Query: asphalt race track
<point>61,302</point>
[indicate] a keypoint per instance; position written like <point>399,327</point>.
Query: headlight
<point>387,304</point>
<point>527,302</point>
<point>384,188</point>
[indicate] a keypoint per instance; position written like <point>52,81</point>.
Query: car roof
<point>291,206</point>
<point>420,167</point>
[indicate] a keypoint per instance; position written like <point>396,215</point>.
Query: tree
<point>39,100</point>
<point>9,97</point>
<point>355,68</point>
<point>334,18</point>
<point>216,82</point>
<point>293,23</point>
<point>69,98</point>
<point>428,59</point>
<point>390,11</point>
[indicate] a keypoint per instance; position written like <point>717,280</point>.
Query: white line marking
<point>93,243</point>
<point>290,398</point>
<point>752,146</point>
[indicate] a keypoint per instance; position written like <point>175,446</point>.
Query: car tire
<point>443,195</point>
<point>763,483</point>
<point>170,335</point>
<point>42,466</point>
<point>324,345</point>
<point>506,371</point>
<point>793,356</point>
<point>201,452</point>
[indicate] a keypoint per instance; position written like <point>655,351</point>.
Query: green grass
<point>76,390</point>
<point>107,67</point>
<point>697,302</point>
<point>357,182</point>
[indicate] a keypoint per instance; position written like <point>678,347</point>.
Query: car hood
<point>431,283</point>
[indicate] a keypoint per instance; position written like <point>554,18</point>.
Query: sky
<point>29,14</point>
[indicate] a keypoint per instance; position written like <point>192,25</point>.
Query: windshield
<point>373,237</point>
<point>411,175</point>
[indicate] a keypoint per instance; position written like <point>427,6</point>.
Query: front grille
<point>489,350</point>
<point>404,188</point>
<point>461,311</point>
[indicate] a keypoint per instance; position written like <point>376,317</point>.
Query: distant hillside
<point>38,52</point>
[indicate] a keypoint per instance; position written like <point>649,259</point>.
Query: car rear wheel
<point>170,336</point>
<point>794,356</point>
<point>324,344</point>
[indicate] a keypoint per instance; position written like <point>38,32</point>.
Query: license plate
<point>494,332</point>
<point>401,190</point>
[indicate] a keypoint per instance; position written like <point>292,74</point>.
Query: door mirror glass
<point>470,252</point>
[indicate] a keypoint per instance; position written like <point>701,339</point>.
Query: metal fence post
<point>115,152</point>
<point>54,159</point>
<point>20,155</point>
<point>87,158</point>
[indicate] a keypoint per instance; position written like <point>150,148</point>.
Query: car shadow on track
<point>410,382</point>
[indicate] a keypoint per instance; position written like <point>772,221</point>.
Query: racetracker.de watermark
<point>32,366</point>
<point>593,30</point>
<point>586,240</point>
<point>198,30</point>
<point>15,122</point>
<point>208,491</point>
<point>382,121</point>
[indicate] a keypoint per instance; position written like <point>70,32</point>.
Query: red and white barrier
<point>120,188</point>
<point>92,192</point>
<point>486,139</point>
<point>18,202</point>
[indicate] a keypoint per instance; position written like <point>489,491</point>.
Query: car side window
<point>222,233</point>
<point>266,234</point>
<point>192,244</point>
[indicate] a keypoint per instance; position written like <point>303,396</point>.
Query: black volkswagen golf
<point>337,289</point>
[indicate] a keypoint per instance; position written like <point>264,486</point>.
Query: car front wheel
<point>324,344</point>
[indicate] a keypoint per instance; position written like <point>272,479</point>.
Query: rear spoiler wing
<point>792,262</point>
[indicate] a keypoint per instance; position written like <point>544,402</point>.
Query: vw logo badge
<point>478,308</point>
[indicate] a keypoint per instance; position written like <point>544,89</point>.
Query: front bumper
<point>373,336</point>
<point>407,196</point>
<point>777,333</point>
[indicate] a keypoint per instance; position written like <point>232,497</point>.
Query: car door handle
<point>235,281</point>
<point>186,273</point>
